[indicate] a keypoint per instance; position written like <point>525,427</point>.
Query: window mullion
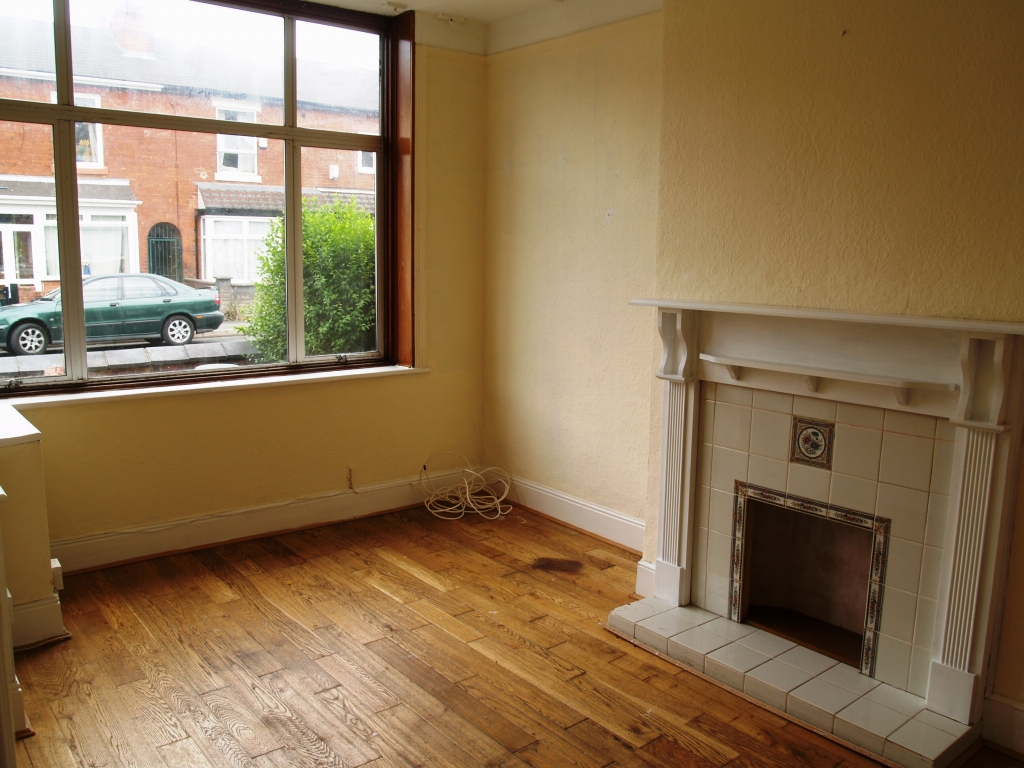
<point>293,204</point>
<point>69,250</point>
<point>62,49</point>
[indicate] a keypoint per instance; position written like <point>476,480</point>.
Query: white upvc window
<point>231,246</point>
<point>88,136</point>
<point>366,162</point>
<point>236,155</point>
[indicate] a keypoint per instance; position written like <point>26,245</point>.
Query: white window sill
<point>252,178</point>
<point>46,401</point>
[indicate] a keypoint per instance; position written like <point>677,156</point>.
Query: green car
<point>117,308</point>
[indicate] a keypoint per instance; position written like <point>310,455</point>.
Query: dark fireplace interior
<point>806,579</point>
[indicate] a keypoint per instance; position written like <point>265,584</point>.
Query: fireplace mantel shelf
<point>942,323</point>
<point>735,366</point>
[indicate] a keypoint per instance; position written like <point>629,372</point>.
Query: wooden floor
<point>398,640</point>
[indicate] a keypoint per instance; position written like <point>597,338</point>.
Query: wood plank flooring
<point>398,640</point>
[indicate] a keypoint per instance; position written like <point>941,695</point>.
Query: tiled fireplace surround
<point>924,414</point>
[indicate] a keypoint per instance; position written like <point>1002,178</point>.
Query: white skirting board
<point>1003,723</point>
<point>37,621</point>
<point>645,579</point>
<point>600,521</point>
<point>132,543</point>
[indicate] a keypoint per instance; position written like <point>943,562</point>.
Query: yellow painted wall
<point>860,155</point>
<point>26,539</point>
<point>572,173</point>
<point>1009,678</point>
<point>852,154</point>
<point>123,463</point>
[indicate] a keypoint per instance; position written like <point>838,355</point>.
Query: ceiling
<point>478,10</point>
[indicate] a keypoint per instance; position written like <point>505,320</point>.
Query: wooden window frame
<point>394,209</point>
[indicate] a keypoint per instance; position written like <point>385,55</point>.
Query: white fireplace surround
<point>960,370</point>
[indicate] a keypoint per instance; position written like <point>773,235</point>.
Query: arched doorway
<point>165,251</point>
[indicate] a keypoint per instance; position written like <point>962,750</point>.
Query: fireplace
<point>807,579</point>
<point>842,438</point>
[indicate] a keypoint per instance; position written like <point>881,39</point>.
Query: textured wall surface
<point>572,220</point>
<point>118,464</point>
<point>845,155</point>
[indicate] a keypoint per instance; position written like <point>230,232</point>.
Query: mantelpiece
<point>961,372</point>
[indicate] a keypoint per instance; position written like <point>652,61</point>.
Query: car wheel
<point>29,339</point>
<point>178,330</point>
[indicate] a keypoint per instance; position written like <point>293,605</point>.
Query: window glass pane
<point>179,57</point>
<point>141,225</point>
<point>140,288</point>
<point>339,251</point>
<point>100,289</point>
<point>338,78</point>
<point>26,50</point>
<point>31,323</point>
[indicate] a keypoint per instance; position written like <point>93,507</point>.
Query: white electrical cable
<point>480,492</point>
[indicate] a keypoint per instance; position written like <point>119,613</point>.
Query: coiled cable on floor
<point>482,492</point>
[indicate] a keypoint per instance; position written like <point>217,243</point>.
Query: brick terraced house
<point>189,206</point>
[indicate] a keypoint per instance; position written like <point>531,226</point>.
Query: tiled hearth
<point>832,697</point>
<point>841,481</point>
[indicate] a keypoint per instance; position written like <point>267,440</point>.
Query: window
<point>300,195</point>
<point>236,155</point>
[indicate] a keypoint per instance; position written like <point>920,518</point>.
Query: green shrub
<point>339,286</point>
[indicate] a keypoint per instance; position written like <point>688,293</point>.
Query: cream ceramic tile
<point>849,678</point>
<point>716,593</point>
<point>906,461</point>
<point>919,739</point>
<point>920,668</point>
<point>807,660</point>
<point>893,698</point>
<point>857,451</point>
<point>809,482</point>
<point>770,434</point>
<point>729,664</point>
<point>624,617</point>
<point>773,401</point>
<point>817,702</point>
<point>707,420</point>
<point>942,462</point>
<point>727,393</point>
<point>931,566</point>
<point>910,424</point>
<point>898,611</point>
<point>853,493</point>
<point>771,681</point>
<point>903,570</point>
<point>727,466</point>
<point>707,390</point>
<point>698,585</point>
<point>766,643</point>
<point>944,430</point>
<point>656,630</point>
<point>700,554</point>
<point>813,408</point>
<point>768,473</point>
<point>892,664</point>
<point>866,724</point>
<point>732,426</point>
<point>924,624</point>
<point>704,463</point>
<point>935,720</point>
<point>935,528</point>
<point>703,505</point>
<point>699,639</point>
<point>907,509</point>
<point>721,512</point>
<point>860,415</point>
<point>730,629</point>
<point>720,553</point>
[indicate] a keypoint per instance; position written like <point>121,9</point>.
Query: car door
<point>143,305</point>
<point>103,317</point>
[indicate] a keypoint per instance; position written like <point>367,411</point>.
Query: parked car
<point>117,308</point>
